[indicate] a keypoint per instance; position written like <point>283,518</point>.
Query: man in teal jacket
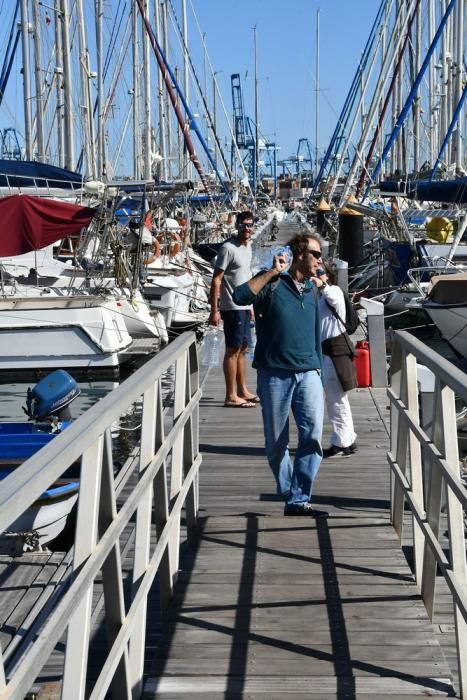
<point>288,360</point>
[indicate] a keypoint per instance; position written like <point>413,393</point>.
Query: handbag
<point>341,350</point>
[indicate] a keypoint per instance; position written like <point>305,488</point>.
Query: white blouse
<point>330,325</point>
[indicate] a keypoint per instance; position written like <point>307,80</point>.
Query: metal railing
<point>424,470</point>
<point>153,500</point>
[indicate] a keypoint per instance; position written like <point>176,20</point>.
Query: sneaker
<point>334,451</point>
<point>304,509</point>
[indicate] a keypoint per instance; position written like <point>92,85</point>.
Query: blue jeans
<point>280,391</point>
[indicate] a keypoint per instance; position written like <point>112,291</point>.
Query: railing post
<point>2,672</point>
<point>433,507</point>
<point>142,538</point>
<point>161,506</point>
<point>415,454</point>
<point>397,382</point>
<point>112,580</point>
<point>377,341</point>
<point>191,444</point>
<point>177,456</point>
<point>74,673</point>
<point>426,391</point>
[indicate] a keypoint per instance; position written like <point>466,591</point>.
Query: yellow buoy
<point>439,229</point>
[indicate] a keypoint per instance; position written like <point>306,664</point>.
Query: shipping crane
<point>243,133</point>
<point>244,140</point>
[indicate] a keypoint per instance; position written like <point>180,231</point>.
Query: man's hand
<point>279,263</point>
<point>214,318</point>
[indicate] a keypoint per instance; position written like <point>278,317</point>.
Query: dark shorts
<point>236,328</point>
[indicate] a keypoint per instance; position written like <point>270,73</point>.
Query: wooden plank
<point>320,686</point>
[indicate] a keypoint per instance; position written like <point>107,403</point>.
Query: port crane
<point>244,139</point>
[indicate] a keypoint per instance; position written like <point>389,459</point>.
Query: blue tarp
<point>453,191</point>
<point>30,173</point>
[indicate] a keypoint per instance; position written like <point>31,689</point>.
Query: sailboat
<point>50,327</point>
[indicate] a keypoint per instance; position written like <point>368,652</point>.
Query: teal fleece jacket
<point>288,325</point>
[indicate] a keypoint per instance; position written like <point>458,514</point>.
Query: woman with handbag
<point>338,368</point>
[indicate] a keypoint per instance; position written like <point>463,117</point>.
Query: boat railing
<point>159,481</point>
<point>40,186</point>
<point>416,273</point>
<point>427,492</point>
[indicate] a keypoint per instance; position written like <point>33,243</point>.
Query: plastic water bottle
<point>210,348</point>
<point>250,353</point>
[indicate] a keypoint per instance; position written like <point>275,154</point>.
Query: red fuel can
<point>362,363</point>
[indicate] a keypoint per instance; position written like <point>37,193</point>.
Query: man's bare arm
<point>214,294</point>
<point>257,283</point>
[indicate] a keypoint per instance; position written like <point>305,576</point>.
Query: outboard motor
<point>50,399</point>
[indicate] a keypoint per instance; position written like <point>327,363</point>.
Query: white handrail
<point>100,524</point>
<point>423,467</point>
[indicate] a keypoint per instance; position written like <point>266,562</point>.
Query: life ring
<point>175,244</point>
<point>156,252</point>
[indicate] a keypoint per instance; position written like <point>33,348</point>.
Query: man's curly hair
<point>299,243</point>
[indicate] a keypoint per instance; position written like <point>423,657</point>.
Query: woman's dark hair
<point>331,270</point>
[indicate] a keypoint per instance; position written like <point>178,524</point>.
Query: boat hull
<point>451,322</point>
<point>45,519</point>
<point>61,332</point>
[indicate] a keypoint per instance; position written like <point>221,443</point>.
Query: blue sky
<point>286,64</point>
<point>286,43</point>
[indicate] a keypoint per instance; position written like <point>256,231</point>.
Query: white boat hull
<point>451,322</point>
<point>169,294</point>
<point>45,518</point>
<point>61,332</point>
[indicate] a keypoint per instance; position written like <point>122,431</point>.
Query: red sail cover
<point>30,223</point>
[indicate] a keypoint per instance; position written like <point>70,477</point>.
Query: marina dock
<point>275,607</point>
<point>219,594</point>
<point>263,605</point>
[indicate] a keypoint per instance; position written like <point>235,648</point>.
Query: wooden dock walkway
<point>274,607</point>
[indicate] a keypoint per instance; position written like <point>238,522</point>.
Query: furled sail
<point>30,223</point>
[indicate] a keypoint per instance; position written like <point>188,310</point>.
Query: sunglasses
<point>315,253</point>
<point>246,225</point>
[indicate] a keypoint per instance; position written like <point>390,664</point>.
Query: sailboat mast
<point>168,110</point>
<point>416,125</point>
<point>101,167</point>
<point>187,169</point>
<point>136,94</point>
<point>59,83</point>
<point>147,103</point>
<point>432,84</point>
<point>256,168</point>
<point>161,92</point>
<point>85,72</point>
<point>69,152</point>
<point>317,93</point>
<point>38,83</point>
<point>458,141</point>
<point>26,79</point>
